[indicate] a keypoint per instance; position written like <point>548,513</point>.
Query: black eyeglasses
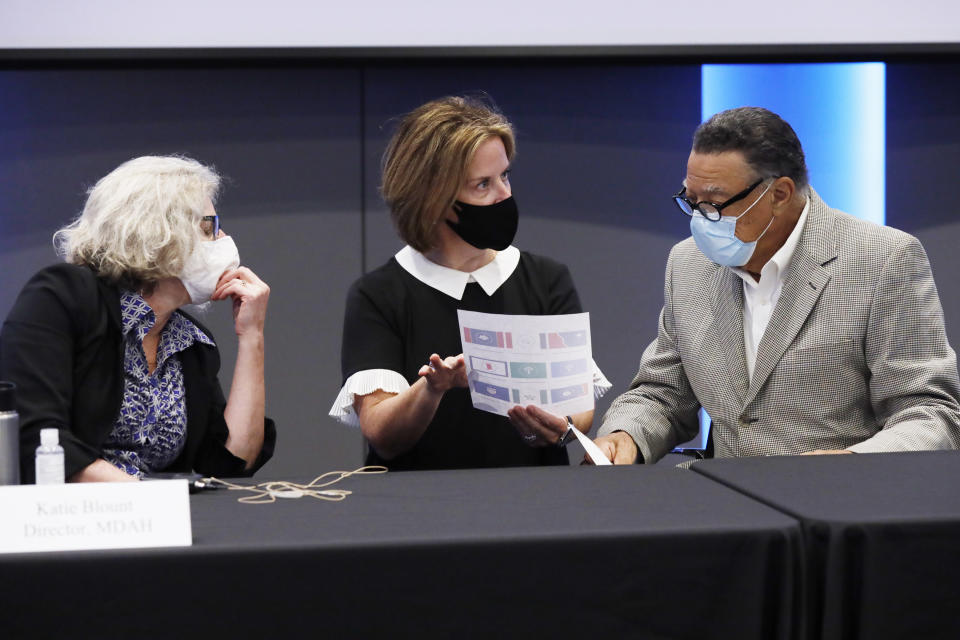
<point>210,225</point>
<point>710,210</point>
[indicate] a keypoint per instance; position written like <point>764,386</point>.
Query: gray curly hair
<point>141,221</point>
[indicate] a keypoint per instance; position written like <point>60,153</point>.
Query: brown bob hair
<point>425,164</point>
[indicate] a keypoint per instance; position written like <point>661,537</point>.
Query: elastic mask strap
<point>747,210</point>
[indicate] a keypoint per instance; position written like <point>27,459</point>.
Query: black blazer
<point>62,345</point>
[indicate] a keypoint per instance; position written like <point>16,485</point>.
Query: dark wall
<point>923,169</point>
<point>601,147</point>
<point>599,151</point>
<point>288,141</point>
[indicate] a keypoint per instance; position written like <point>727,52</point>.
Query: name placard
<point>95,515</point>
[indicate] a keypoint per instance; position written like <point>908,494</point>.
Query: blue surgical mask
<point>718,240</point>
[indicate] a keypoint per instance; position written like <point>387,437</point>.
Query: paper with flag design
<point>539,360</point>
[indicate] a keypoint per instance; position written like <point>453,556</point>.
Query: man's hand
<point>619,448</point>
<point>825,452</point>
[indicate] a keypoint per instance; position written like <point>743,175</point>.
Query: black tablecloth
<point>882,532</point>
<point>640,551</point>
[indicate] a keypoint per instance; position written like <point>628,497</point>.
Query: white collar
<point>453,282</point>
<point>776,266</point>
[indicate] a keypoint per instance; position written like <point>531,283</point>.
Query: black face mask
<point>490,226</point>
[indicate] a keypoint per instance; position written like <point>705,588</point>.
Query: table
<point>882,533</point>
<point>641,551</point>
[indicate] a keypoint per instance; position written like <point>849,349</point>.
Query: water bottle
<point>50,458</point>
<point>9,435</point>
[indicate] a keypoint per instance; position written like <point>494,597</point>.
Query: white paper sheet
<point>522,360</point>
<point>595,454</point>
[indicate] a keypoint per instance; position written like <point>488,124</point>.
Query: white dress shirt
<point>452,282</point>
<point>760,298</point>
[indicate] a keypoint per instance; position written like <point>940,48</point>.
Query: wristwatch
<point>568,435</point>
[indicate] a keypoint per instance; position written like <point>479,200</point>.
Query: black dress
<point>394,321</point>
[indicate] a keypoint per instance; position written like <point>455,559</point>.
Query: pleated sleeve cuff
<point>360,384</point>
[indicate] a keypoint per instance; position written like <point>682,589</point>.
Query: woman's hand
<point>537,427</point>
<point>250,295</point>
<point>393,423</point>
<point>245,405</point>
<point>101,471</point>
<point>443,374</point>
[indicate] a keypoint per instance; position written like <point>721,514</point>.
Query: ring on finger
<point>530,437</point>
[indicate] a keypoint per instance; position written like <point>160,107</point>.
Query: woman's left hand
<point>537,427</point>
<point>250,295</point>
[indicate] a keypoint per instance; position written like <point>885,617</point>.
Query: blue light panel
<point>837,110</point>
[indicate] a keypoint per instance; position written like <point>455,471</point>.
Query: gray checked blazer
<point>855,355</point>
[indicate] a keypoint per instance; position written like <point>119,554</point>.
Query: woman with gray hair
<point>100,349</point>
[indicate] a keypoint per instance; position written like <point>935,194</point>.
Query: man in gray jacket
<point>799,328</point>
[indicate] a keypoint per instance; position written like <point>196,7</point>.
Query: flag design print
<point>500,339</point>
<point>560,339</point>
<point>492,390</point>
<point>492,367</point>
<point>567,368</point>
<point>530,396</point>
<point>528,369</point>
<point>569,393</point>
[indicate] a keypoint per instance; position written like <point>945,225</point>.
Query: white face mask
<point>204,267</point>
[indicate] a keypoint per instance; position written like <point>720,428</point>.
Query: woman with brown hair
<point>446,181</point>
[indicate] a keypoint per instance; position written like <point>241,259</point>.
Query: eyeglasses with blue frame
<point>210,225</point>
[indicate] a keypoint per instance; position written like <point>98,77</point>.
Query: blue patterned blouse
<point>152,427</point>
